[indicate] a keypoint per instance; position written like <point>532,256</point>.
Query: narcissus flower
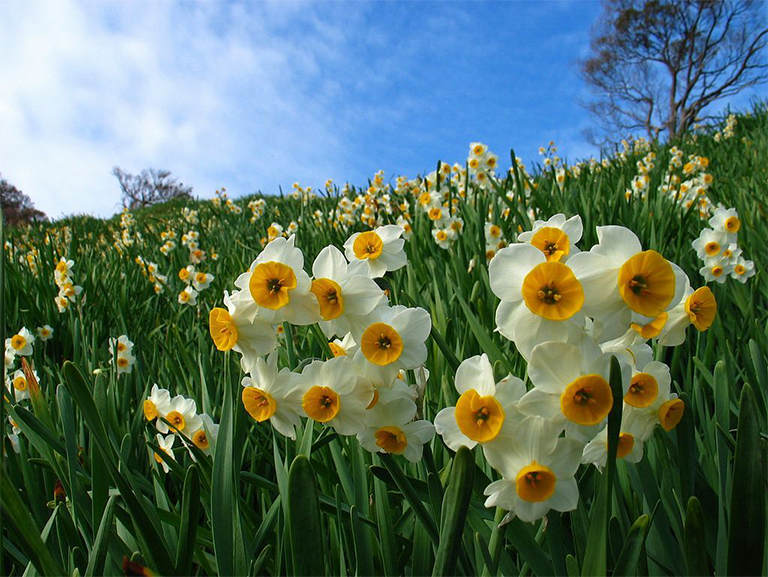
<point>726,221</point>
<point>716,270</point>
<point>541,300</point>
<point>391,429</point>
<point>344,299</point>
<point>205,437</point>
<point>240,329</point>
<point>21,343</point>
<point>273,395</point>
<point>556,237</point>
<point>537,469</point>
<point>202,280</point>
<point>157,403</point>
<point>181,417</point>
<point>333,394</point>
<point>394,338</point>
<point>624,279</point>
<point>483,407</point>
<point>278,285</point>
<point>710,243</point>
<point>666,409</point>
<point>742,269</point>
<point>571,386</point>
<point>343,347</point>
<point>166,446</point>
<point>188,296</point>
<point>19,386</point>
<point>45,332</point>
<point>376,252</point>
<point>632,436</point>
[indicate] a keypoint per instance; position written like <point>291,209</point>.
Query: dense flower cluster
<point>718,248</point>
<point>68,290</point>
<point>362,390</point>
<point>568,312</point>
<point>121,354</point>
<point>178,416</point>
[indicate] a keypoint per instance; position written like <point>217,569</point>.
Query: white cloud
<point>206,91</point>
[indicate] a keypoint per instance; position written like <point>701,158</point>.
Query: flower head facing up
<point>647,283</point>
<point>552,291</point>
<point>271,283</point>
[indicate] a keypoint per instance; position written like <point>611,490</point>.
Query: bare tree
<point>656,65</point>
<point>149,187</point>
<point>17,207</point>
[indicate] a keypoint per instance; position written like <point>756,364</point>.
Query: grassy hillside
<point>694,503</point>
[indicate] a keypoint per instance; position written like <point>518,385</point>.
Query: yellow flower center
<point>222,328</point>
<point>61,267</point>
<point>321,403</point>
<point>478,150</point>
<point>717,271</point>
<point>176,420</point>
<point>259,404</point>
<point>739,269</point>
<point>329,297</point>
<point>653,328</point>
<point>18,342</point>
<point>368,245</point>
<point>647,283</point>
<point>587,400</point>
<point>535,483</point>
<point>441,235</point>
<point>150,410</point>
<point>270,284</point>
<point>200,439</point>
<point>670,413</point>
<point>121,347</point>
<point>495,231</point>
<point>701,307</point>
<point>183,274</point>
<point>732,224</point>
<point>626,444</point>
<point>643,390</point>
<point>552,291</point>
<point>184,296</point>
<point>20,384</point>
<point>553,242</point>
<point>479,418</point>
<point>337,350</point>
<point>435,213</point>
<point>381,344</point>
<point>391,439</point>
<point>712,248</point>
<point>201,277</point>
<point>122,362</point>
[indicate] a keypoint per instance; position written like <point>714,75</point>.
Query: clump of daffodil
<point>121,354</point>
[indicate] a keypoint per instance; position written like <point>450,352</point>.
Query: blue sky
<point>255,95</point>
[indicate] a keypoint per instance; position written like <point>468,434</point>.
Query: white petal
<point>475,373</point>
<point>509,268</point>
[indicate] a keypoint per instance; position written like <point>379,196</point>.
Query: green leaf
<point>23,525</point>
<point>694,545</point>
<point>304,526</point>
<point>99,552</point>
<point>629,557</point>
<point>454,512</point>
<point>190,512</point>
<point>411,496</point>
<point>596,553</point>
<point>747,519</point>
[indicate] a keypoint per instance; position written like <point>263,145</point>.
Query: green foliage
<point>265,505</point>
